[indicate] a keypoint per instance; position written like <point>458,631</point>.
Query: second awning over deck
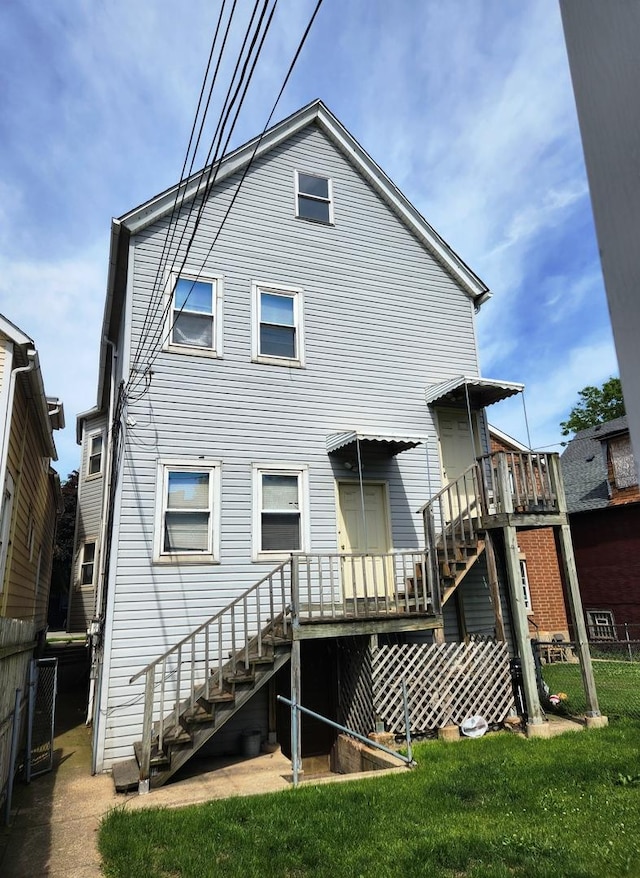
<point>387,442</point>
<point>480,392</point>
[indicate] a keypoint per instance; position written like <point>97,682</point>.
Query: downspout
<point>31,356</point>
<point>97,623</point>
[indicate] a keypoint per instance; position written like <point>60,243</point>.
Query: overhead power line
<point>160,335</point>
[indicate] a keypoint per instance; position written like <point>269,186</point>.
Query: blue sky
<point>467,105</point>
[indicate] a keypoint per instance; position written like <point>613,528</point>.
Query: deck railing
<point>524,482</point>
<point>305,588</point>
<point>341,585</point>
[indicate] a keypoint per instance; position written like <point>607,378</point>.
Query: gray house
<point>282,458</point>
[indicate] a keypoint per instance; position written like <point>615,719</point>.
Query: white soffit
<point>390,443</point>
<point>482,391</point>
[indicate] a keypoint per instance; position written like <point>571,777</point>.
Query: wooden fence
<point>446,684</point>
<point>17,643</point>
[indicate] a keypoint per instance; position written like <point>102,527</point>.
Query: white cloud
<point>554,391</point>
<point>59,305</point>
<point>467,106</point>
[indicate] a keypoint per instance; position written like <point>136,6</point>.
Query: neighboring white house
<point>291,383</point>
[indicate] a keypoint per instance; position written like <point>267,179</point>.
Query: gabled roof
<point>49,410</point>
<point>505,439</point>
<point>315,113</point>
<point>584,466</point>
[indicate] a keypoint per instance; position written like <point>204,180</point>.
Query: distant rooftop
<point>584,466</point>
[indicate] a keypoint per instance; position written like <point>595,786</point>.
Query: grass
<point>617,685</point>
<point>497,807</point>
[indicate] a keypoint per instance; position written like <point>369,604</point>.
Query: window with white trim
<point>277,325</point>
<point>601,625</point>
<point>94,459</point>
<point>188,511</point>
<point>87,563</point>
<point>194,317</point>
<point>524,579</point>
<point>314,198</point>
<point>280,510</point>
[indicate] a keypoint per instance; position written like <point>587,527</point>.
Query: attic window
<point>314,198</point>
<point>624,470</point>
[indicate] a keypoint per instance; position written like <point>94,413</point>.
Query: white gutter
<point>32,357</point>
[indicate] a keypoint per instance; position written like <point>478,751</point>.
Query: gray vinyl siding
<point>88,523</point>
<point>382,320</point>
<point>476,602</point>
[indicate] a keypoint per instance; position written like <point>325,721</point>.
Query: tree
<point>597,405</point>
<point>63,552</point>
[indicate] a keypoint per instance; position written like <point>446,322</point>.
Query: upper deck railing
<point>521,482</point>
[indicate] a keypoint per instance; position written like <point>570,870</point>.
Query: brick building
<point>603,500</point>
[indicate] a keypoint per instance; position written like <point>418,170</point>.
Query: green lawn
<point>496,807</point>
<point>617,685</point>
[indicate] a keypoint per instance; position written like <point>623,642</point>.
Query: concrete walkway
<point>55,819</point>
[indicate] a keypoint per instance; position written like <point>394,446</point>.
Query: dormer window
<point>314,200</point>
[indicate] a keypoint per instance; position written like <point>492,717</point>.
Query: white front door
<point>457,453</point>
<point>368,535</point>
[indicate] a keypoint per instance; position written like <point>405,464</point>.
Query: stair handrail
<point>149,671</point>
<point>461,525</point>
<point>240,599</point>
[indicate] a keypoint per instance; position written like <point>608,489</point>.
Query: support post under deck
<point>296,717</point>
<point>494,587</point>
<point>577,619</point>
<point>521,626</point>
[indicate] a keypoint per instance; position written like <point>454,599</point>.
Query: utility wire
<point>301,44</point>
<point>184,176</point>
<point>216,149</point>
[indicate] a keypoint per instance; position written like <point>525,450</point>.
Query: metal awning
<point>387,443</point>
<point>481,391</point>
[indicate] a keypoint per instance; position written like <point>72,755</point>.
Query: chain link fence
<point>615,655</point>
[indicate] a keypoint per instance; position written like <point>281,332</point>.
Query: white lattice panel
<point>445,683</point>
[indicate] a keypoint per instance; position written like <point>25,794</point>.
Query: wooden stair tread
<point>159,758</point>
<point>126,775</point>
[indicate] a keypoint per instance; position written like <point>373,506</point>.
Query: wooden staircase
<point>199,722</point>
<point>453,571</point>
<point>208,689</point>
<point>453,532</point>
<point>199,684</point>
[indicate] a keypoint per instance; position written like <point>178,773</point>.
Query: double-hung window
<point>280,510</point>
<point>277,329</point>
<point>187,513</point>
<point>94,460</point>
<point>314,198</point>
<point>87,564</point>
<point>194,316</point>
<point>601,625</point>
